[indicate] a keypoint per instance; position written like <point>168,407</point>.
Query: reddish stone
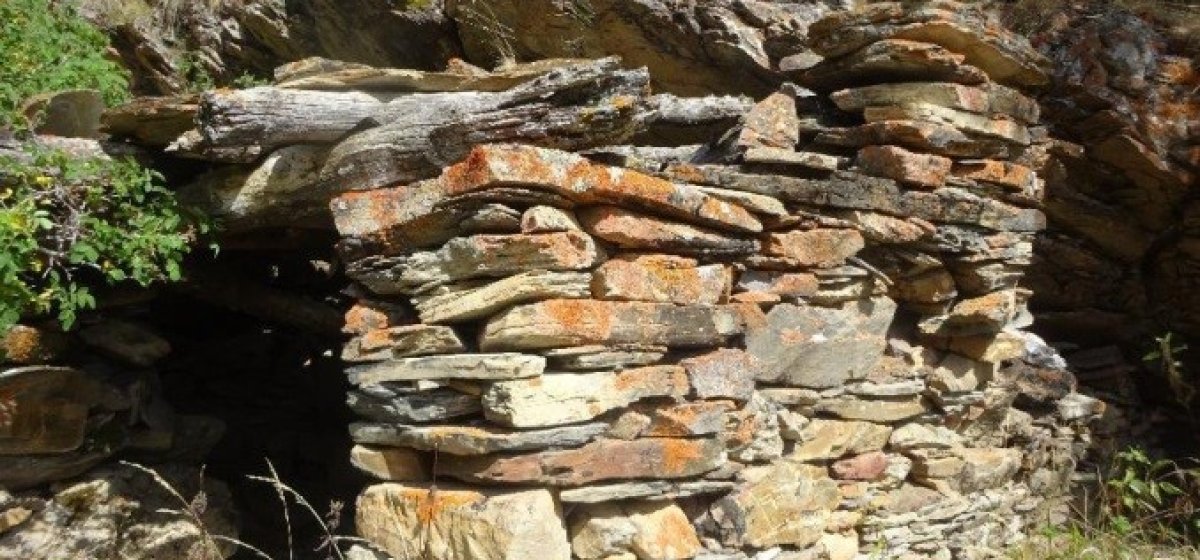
<point>631,230</point>
<point>921,170</point>
<point>660,278</point>
<point>868,466</point>
<point>653,458</point>
<point>1010,175</point>
<point>817,247</point>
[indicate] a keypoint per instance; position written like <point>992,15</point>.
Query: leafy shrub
<point>46,48</point>
<point>67,222</point>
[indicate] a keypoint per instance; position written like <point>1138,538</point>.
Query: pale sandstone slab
<point>822,439</point>
<point>781,156</point>
<point>473,440</point>
<point>649,489</point>
<point>631,230</point>
<point>450,366</point>
<point>391,463</point>
<point>564,398</point>
<point>450,524</point>
<point>757,203</point>
<point>546,219</point>
<point>881,410</point>
<point>602,460</point>
<point>987,99</point>
<point>782,504</point>
<point>821,347</point>
<point>477,256</point>
<point>647,530</point>
<point>484,301</point>
<point>402,342</point>
<point>563,323</point>
<point>660,279</point>
<point>597,357</point>
<point>816,247</point>
<point>995,127</point>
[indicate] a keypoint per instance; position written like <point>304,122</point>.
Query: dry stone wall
<point>804,340</point>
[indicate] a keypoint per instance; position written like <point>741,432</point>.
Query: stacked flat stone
<point>803,342</point>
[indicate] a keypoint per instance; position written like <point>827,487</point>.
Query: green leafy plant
<point>1154,492</point>
<point>46,46</point>
<point>67,224</point>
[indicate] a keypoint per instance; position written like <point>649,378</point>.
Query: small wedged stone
<point>449,366</point>
<point>473,440</point>
<point>723,374</point>
<point>382,404</point>
<point>785,503</point>
<point>391,463</point>
<point>784,284</point>
<point>821,347</point>
<point>564,398</point>
<point>815,247</point>
<point>1011,176</point>
<point>686,419</point>
<point>649,490</point>
<point>659,278</point>
<point>883,228</point>
<point>771,123</point>
<point>781,156</point>
<point>631,230</point>
<point>987,99</point>
<point>986,314</point>
<point>402,342</point>
<point>449,523</point>
<point>564,323</point>
<point>477,256</point>
<point>823,439</point>
<point>910,168</point>
<point>757,203</point>
<point>924,136</point>
<point>596,358</point>
<point>993,127</point>
<point>601,460</point>
<point>882,410</point>
<point>646,530</point>
<point>893,60</point>
<point>366,316</point>
<point>457,307</point>
<point>547,219</point>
